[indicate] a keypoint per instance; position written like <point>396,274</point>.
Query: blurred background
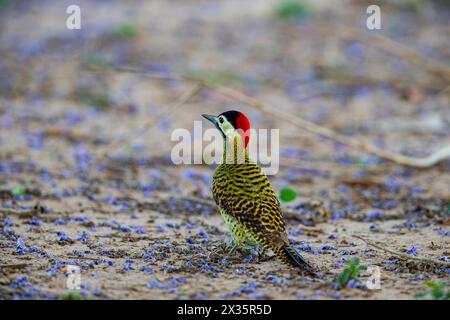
<point>86,118</point>
<point>315,59</point>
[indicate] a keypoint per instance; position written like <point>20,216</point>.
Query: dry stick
<point>10,211</point>
<point>403,255</point>
<point>390,46</point>
<point>185,97</point>
<point>14,265</point>
<point>204,202</point>
<point>426,162</point>
<point>14,211</point>
<point>395,48</point>
<point>444,91</point>
<point>79,258</point>
<point>370,81</point>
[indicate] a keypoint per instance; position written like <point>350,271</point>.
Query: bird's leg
<point>229,247</point>
<point>220,248</point>
<point>261,252</point>
<point>233,249</point>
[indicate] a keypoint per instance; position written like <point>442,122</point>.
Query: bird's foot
<point>260,256</point>
<point>252,251</point>
<point>217,249</point>
<point>224,248</point>
<point>232,250</point>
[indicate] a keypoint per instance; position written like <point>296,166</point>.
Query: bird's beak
<point>214,121</point>
<point>211,118</point>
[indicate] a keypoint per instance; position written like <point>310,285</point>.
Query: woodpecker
<point>244,196</point>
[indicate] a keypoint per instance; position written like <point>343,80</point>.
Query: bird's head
<point>232,124</point>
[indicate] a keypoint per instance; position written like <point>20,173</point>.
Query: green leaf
<point>421,294</point>
<point>360,163</point>
<point>437,290</point>
<point>353,262</point>
<point>351,272</point>
<point>361,268</point>
<point>96,61</point>
<point>126,30</point>
<point>437,294</point>
<point>344,277</point>
<point>287,194</point>
<point>18,191</point>
<point>71,295</point>
<point>434,285</point>
<point>292,9</point>
<point>100,101</point>
<point>5,2</point>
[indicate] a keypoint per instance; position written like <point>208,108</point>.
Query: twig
<point>18,212</point>
<point>70,135</point>
<point>426,162</point>
<point>429,161</point>
<point>395,48</point>
<point>184,98</point>
<point>444,91</point>
<point>10,211</point>
<point>205,202</point>
<point>403,255</point>
<point>14,265</point>
<point>80,258</point>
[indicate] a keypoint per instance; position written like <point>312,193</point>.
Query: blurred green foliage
<point>18,191</point>
<point>414,5</point>
<point>351,272</point>
<point>4,3</point>
<point>437,291</point>
<point>126,30</point>
<point>95,95</point>
<point>71,295</point>
<point>95,61</point>
<point>99,101</point>
<point>292,9</point>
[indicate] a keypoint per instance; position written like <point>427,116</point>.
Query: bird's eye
<point>221,120</point>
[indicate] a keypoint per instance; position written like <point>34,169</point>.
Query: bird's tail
<point>290,256</point>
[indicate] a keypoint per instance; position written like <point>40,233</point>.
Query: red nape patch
<point>243,124</point>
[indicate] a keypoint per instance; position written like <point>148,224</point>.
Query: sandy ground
<point>83,184</point>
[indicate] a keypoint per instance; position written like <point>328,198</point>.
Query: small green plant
<point>18,191</point>
<point>126,30</point>
<point>99,101</point>
<point>292,9</point>
<point>95,61</point>
<point>437,291</point>
<point>5,2</point>
<point>287,195</point>
<point>336,71</point>
<point>71,295</point>
<point>351,272</point>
